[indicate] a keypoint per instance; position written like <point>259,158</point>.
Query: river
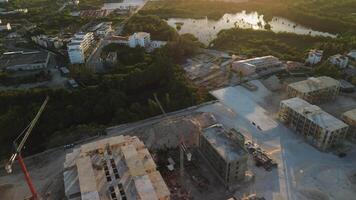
<point>206,30</point>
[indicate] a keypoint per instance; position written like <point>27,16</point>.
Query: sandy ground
<point>303,172</point>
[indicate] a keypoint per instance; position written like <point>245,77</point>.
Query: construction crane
<point>17,151</point>
<point>182,146</point>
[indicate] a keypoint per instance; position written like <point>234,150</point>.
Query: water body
<point>206,30</point>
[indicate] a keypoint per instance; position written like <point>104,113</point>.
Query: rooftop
<point>9,59</point>
<point>223,143</point>
<point>314,114</point>
<point>316,52</point>
<point>314,84</point>
<point>117,167</point>
<point>350,117</point>
<point>258,62</point>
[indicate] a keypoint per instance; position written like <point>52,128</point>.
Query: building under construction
<point>320,129</point>
<point>116,168</point>
<point>224,149</point>
<point>349,117</point>
<point>315,90</point>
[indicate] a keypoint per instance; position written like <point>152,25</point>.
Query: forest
<point>121,96</point>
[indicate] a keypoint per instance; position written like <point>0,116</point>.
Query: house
<point>141,39</point>
<point>314,56</point>
<point>339,60</point>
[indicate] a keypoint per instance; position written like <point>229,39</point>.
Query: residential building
<point>314,56</point>
<point>339,60</point>
<point>352,54</point>
<point>79,46</point>
<point>319,128</point>
<point>47,42</point>
<point>113,168</point>
<point>250,66</point>
<point>349,118</point>
<point>225,151</point>
<point>315,90</point>
<point>101,29</point>
<point>24,61</point>
<point>141,39</point>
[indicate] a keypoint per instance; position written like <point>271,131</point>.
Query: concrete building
<point>314,56</point>
<point>315,90</point>
<point>339,60</point>
<point>24,61</point>
<point>319,128</point>
<point>141,39</point>
<point>349,118</point>
<point>101,29</point>
<point>47,42</point>
<point>224,149</point>
<point>112,169</point>
<point>250,66</point>
<point>79,46</point>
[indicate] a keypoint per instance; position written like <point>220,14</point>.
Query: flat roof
<point>260,62</point>
<point>314,114</point>
<point>229,149</point>
<point>22,58</point>
<point>314,84</point>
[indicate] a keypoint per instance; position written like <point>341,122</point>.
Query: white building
<point>78,47</point>
<point>352,54</point>
<point>339,60</point>
<point>250,66</point>
<point>6,27</point>
<point>314,56</point>
<point>4,1</point>
<point>141,39</point>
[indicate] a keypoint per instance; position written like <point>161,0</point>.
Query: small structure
<point>349,118</point>
<point>249,66</point>
<point>47,42</point>
<point>314,57</point>
<point>315,90</point>
<point>113,168</point>
<point>101,29</point>
<point>141,39</point>
<point>24,61</point>
<point>339,60</point>
<point>352,54</point>
<point>319,128</point>
<point>5,27</point>
<point>79,46</point>
<point>224,149</point>
<point>346,86</point>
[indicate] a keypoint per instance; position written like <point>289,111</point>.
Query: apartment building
<point>79,46</point>
<point>339,60</point>
<point>319,128</point>
<point>141,39</point>
<point>115,168</point>
<point>224,150</point>
<point>315,90</point>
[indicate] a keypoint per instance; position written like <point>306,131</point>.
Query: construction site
<point>235,147</point>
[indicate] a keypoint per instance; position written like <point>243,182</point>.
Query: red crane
<point>18,148</point>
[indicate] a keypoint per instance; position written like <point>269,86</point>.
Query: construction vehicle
<point>17,152</point>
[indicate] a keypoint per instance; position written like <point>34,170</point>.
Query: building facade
<point>339,60</point>
<point>79,46</point>
<point>314,57</point>
<point>319,128</point>
<point>315,90</point>
<point>349,118</point>
<point>115,168</point>
<point>224,150</point>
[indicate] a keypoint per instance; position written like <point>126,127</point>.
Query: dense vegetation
<point>325,15</point>
<point>119,97</point>
<point>252,43</point>
<point>158,28</point>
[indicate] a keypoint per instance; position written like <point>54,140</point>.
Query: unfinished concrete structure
<point>224,149</point>
<point>116,168</point>
<point>320,129</point>
<point>349,117</point>
<point>315,90</point>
